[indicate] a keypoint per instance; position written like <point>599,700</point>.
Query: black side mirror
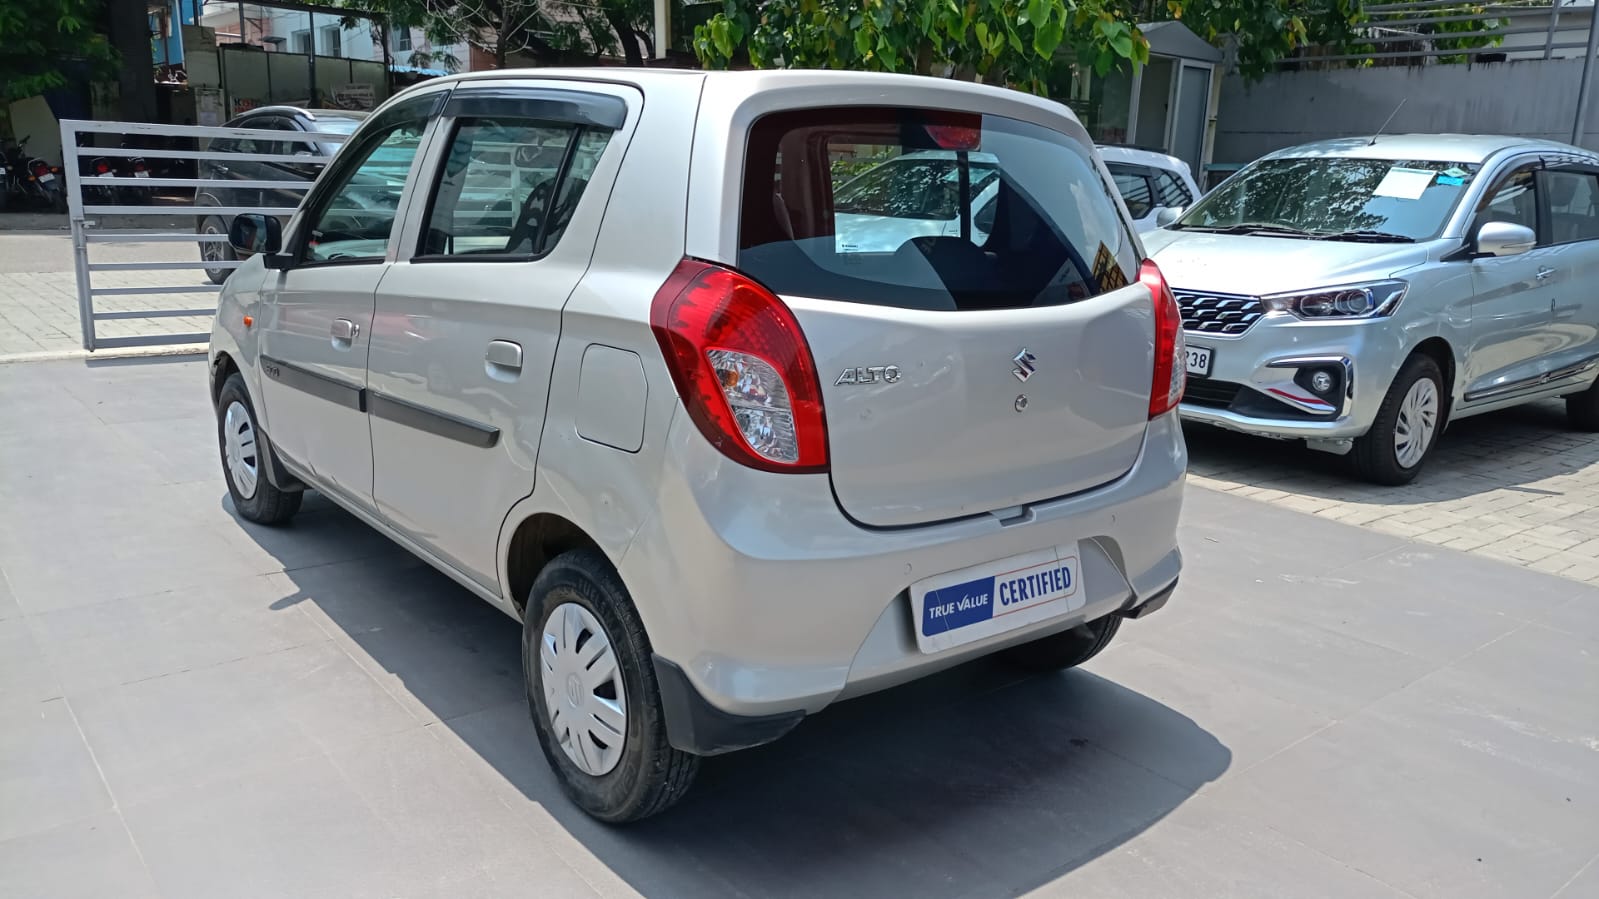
<point>253,233</point>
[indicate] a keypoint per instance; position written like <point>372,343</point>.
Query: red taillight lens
<point>1171,369</point>
<point>742,367</point>
<point>101,168</point>
<point>39,168</point>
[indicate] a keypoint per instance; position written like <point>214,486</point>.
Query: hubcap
<point>583,692</point>
<point>238,447</point>
<point>211,251</point>
<point>1418,420</point>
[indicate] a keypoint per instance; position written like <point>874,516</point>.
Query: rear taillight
<point>1171,370</point>
<point>39,168</point>
<point>742,367</point>
<point>101,168</point>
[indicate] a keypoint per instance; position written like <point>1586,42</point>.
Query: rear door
<point>467,320</point>
<point>970,370</point>
<point>1572,195</point>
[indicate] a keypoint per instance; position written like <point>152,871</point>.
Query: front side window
<point>1335,197</point>
<point>1573,206</point>
<point>1515,200</point>
<point>351,222</point>
<point>508,187</point>
<point>1173,192</point>
<point>927,209</point>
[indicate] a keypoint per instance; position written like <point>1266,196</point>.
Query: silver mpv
<point>1361,293</point>
<point>590,343</point>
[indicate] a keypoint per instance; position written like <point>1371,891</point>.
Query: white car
<point>1150,183</point>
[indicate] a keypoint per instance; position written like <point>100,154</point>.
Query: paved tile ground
<point>1516,485</point>
<point>192,706</point>
<point>39,299</point>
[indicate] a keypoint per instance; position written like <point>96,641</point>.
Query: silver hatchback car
<point>597,350</point>
<point>1362,293</point>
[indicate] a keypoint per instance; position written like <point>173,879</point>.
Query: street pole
<point>663,27</point>
<point>1587,68</point>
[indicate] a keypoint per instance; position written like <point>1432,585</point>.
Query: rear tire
<point>244,462</point>
<point>1582,409</point>
<point>1408,423</point>
<point>1067,649</point>
<point>211,251</point>
<point>579,599</point>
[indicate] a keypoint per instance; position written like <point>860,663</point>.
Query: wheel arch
<point>534,541</point>
<point>1440,351</point>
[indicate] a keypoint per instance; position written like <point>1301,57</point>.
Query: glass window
<point>509,186</point>
<point>1134,188</point>
<point>1173,192</point>
<point>301,41</point>
<point>1573,206</point>
<point>1335,196</point>
<point>352,221</point>
<point>401,37</point>
<point>927,209</point>
<point>1515,200</point>
<point>332,41</point>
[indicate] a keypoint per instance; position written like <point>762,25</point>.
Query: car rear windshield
<point>1336,197</point>
<point>927,209</point>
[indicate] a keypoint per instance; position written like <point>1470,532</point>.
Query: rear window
<point>927,209</point>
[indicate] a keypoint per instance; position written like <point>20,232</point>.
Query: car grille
<point>1206,392</point>
<point>1215,313</point>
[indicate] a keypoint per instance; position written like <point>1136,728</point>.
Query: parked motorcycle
<point>31,180</point>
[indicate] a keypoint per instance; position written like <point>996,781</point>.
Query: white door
<point>1189,114</point>
<point>316,333</point>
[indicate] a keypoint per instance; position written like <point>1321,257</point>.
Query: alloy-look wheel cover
<point>1417,422</point>
<point>239,448</point>
<point>583,692</point>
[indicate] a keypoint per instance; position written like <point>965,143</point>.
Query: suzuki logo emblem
<point>1024,365</point>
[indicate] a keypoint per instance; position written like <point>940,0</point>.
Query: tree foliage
<point>1014,42</point>
<point>41,40</point>
<point>541,32</point>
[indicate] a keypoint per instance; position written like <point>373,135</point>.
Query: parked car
<point>723,470</point>
<point>1152,184</point>
<point>275,118</point>
<point>1362,293</point>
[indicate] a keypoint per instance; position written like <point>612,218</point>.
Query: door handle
<point>1545,273</point>
<point>346,330</point>
<point>504,354</point>
<point>223,170</point>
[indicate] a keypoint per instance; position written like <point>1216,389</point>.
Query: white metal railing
<point>86,230</point>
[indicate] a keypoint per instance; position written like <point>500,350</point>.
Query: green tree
<point>1014,42</point>
<point>42,40</point>
<point>542,32</point>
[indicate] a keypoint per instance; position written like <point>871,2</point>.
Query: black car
<point>275,118</point>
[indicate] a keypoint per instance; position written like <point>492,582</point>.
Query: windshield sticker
<point>1451,180</point>
<point>1404,184</point>
<point>1456,172</point>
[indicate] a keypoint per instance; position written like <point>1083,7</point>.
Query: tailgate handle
<point>1014,515</point>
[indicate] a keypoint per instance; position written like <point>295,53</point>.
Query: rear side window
<point>508,187</point>
<point>1173,192</point>
<point>1134,188</point>
<point>927,209</point>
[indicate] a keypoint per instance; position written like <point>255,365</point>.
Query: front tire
<point>1393,452</point>
<point>1067,649</point>
<point>593,696</point>
<point>244,462</point>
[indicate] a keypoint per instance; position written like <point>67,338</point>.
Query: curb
<point>142,352</point>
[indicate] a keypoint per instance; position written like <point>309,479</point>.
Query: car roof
<point>1465,148</point>
<point>1140,156</point>
<point>312,114</point>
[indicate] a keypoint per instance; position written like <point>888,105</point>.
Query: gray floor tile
<point>1551,668</point>
<point>189,628</point>
<point>1248,725</point>
<point>452,834</point>
<point>25,675</point>
<point>315,538</point>
<point>160,735</point>
<point>91,858</point>
<point>47,776</point>
<point>8,603</point>
<point>1585,885</point>
<point>1423,812</point>
<point>1202,851</point>
<point>294,829</point>
<point>1577,615</point>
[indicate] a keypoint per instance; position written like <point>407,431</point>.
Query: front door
<point>1510,305</point>
<point>319,311</point>
<point>469,316</point>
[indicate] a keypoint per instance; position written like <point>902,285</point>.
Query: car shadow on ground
<point>1509,450</point>
<point>978,780</point>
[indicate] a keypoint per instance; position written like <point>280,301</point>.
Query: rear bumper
<point>770,603</point>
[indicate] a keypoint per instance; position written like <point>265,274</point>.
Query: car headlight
<point>1373,299</point>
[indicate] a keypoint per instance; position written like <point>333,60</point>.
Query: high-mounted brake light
<point>1171,369</point>
<point>742,368</point>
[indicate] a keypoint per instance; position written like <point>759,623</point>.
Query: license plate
<point>962,606</point>
<point>1199,360</point>
<point>47,177</point>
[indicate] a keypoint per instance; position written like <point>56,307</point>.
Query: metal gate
<point>85,215</point>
